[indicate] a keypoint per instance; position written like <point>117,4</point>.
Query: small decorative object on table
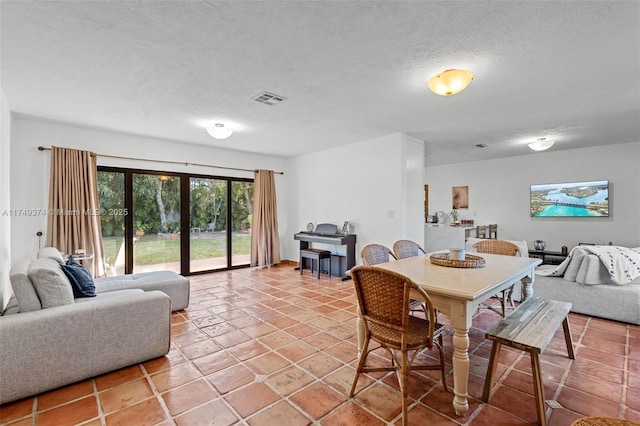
<point>345,227</point>
<point>309,227</point>
<point>457,254</point>
<point>454,217</point>
<point>470,261</point>
<point>539,245</point>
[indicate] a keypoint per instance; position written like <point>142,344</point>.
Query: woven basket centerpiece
<point>470,261</point>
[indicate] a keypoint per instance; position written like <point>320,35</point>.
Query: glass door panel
<point>112,217</point>
<point>242,215</point>
<point>157,209</point>
<point>156,223</point>
<point>208,224</point>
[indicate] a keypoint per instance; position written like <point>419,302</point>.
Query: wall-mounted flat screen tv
<point>573,199</point>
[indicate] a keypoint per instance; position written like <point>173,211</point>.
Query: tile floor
<point>269,347</point>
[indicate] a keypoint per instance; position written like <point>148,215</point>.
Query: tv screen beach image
<point>572,199</point>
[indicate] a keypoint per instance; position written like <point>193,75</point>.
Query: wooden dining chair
<point>481,231</point>
<point>506,248</point>
<point>407,248</point>
<point>383,300</point>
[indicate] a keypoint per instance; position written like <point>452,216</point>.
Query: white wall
<point>413,190</point>
<point>364,183</point>
<point>30,174</point>
<point>499,193</point>
<point>374,184</point>
<point>5,202</point>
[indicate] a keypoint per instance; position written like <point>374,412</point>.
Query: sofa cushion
<point>109,294</point>
<point>23,289</point>
<point>174,285</point>
<point>51,284</point>
<point>613,302</point>
<point>80,278</point>
<point>51,253</point>
<point>12,307</point>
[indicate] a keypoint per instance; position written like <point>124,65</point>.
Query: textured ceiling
<point>351,71</point>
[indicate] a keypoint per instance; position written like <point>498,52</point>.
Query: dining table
<point>457,292</point>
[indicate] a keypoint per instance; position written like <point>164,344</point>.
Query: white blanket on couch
<point>617,265</point>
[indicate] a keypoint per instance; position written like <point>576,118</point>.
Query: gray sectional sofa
<point>617,303</point>
<point>50,339</point>
<point>584,281</point>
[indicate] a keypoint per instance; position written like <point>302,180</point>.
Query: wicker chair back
<point>373,254</point>
<point>407,248</point>
<point>497,247</point>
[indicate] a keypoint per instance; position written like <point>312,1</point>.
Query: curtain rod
<point>42,148</point>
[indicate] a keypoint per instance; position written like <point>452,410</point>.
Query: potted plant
<point>454,217</point>
<point>173,230</point>
<point>139,227</point>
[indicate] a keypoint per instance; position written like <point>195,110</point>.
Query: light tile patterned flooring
<point>269,347</point>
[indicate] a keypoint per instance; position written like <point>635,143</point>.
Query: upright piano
<point>320,235</point>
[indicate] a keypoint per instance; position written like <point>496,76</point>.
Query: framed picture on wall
<point>460,197</point>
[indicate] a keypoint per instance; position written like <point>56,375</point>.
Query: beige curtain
<point>73,221</point>
<point>265,240</point>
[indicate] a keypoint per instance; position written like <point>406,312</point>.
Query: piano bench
<point>314,255</point>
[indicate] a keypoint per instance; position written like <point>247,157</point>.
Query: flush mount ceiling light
<point>219,131</point>
<point>541,144</point>
<point>450,82</point>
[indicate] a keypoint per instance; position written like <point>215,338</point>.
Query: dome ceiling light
<point>450,82</point>
<point>219,131</point>
<point>541,144</point>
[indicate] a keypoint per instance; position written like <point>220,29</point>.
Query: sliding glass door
<point>112,215</point>
<point>179,222</point>
<point>241,216</point>
<point>208,219</point>
<point>156,223</point>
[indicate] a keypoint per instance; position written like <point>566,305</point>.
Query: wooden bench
<point>529,328</point>
<point>314,255</point>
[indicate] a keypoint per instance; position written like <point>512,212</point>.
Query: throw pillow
<point>51,253</point>
<point>80,278</point>
<point>23,289</point>
<point>51,284</point>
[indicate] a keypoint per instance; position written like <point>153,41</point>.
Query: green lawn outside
<point>152,249</point>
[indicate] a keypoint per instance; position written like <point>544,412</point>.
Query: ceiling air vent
<point>269,98</point>
<point>482,145</point>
